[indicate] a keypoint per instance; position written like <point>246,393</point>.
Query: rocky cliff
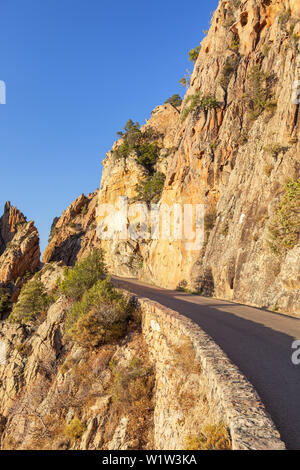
<point>234,146</point>
<point>55,394</point>
<point>74,233</point>
<point>121,177</point>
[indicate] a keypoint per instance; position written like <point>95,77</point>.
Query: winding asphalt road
<point>257,341</point>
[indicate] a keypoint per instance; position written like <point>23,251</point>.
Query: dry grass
<point>132,395</point>
<point>74,429</point>
<point>212,437</point>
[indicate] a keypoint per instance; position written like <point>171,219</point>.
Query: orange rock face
<point>19,243</point>
<point>233,154</point>
<point>9,223</point>
<point>74,233</point>
<point>221,156</point>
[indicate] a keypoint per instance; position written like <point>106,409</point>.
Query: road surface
<point>257,341</point>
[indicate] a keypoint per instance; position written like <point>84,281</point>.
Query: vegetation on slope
<point>213,437</point>
<point>33,303</point>
<point>99,314</point>
<point>138,143</point>
<point>83,276</point>
<point>259,97</point>
<point>285,226</point>
<point>150,189</point>
<point>199,102</point>
<point>4,301</point>
<point>174,100</point>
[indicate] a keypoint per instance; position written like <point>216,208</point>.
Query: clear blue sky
<point>75,71</point>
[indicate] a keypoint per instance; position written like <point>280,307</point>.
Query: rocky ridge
<point>19,248</point>
<point>74,233</point>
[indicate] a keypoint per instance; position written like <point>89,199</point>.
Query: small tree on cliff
<point>32,303</point>
<point>83,276</point>
<point>174,100</point>
<point>132,134</point>
<point>99,317</point>
<point>194,53</point>
<point>151,188</point>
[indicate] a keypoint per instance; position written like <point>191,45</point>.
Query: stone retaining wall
<point>196,384</point>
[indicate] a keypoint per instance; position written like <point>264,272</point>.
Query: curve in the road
<point>257,341</point>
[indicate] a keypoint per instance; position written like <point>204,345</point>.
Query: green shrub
<point>99,317</point>
<point>235,43</point>
<point>197,101</point>
<point>242,139</point>
<point>259,93</point>
<point>224,229</point>
<point>53,232</point>
<point>210,219</point>
<point>174,100</point>
<point>266,49</point>
<point>132,137</point>
<point>150,134</point>
<point>84,209</point>
<point>184,114</point>
<point>285,226</point>
<point>293,40</point>
<point>274,149</point>
<point>184,82</point>
<point>132,131</point>
<point>209,102</point>
<point>75,429</point>
<point>132,395</point>
<point>84,274</point>
<point>150,189</point>
<point>284,18</point>
<point>4,301</point>
<point>122,151</point>
<point>194,53</point>
<point>33,302</point>
<point>228,70</point>
<point>136,141</point>
<point>148,154</point>
<point>213,144</point>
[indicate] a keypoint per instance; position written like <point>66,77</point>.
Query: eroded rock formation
<point>74,233</point>
<point>19,246</point>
